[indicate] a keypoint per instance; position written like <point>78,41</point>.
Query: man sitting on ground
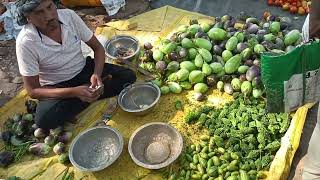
<point>53,68</point>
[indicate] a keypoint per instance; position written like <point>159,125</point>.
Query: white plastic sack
<point>11,27</point>
<point>113,6</point>
<point>305,30</point>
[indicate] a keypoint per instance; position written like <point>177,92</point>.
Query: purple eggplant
<point>5,136</point>
<point>212,80</point>
<point>241,47</point>
<point>248,62</point>
<point>200,34</point>
<point>262,32</point>
<point>271,18</point>
<point>6,158</point>
<point>161,66</point>
<point>65,137</point>
<point>148,54</point>
<point>228,88</point>
<point>40,133</point>
<point>223,44</point>
<point>253,29</point>
<point>247,25</point>
<point>50,140</point>
<point>217,50</point>
<point>175,37</point>
<point>228,24</point>
<point>252,72</point>
<point>199,96</point>
<point>147,46</point>
<point>40,149</point>
<point>173,56</point>
<point>183,53</point>
<point>185,35</point>
<point>268,45</point>
<point>59,148</point>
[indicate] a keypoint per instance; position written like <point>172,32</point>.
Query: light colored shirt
<point>38,54</point>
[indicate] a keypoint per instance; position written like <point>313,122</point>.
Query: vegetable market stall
<point>147,27</point>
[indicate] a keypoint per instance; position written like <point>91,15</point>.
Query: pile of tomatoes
<point>293,6</point>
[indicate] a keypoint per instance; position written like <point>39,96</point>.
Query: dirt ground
<point>10,78</point>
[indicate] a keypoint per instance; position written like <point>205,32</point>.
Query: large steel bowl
<point>96,148</point>
<point>139,98</point>
<point>122,43</point>
<point>160,133</point>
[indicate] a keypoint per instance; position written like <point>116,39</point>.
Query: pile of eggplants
<point>224,54</point>
<point>21,134</point>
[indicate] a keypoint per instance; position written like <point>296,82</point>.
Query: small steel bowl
<point>139,98</point>
<point>150,133</point>
<point>122,43</point>
<point>96,148</point>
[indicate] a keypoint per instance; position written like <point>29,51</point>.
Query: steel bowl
<point>96,148</point>
<point>152,133</point>
<point>139,98</point>
<point>122,43</point>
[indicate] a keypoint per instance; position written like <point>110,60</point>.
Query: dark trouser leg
<point>53,113</point>
<point>120,77</point>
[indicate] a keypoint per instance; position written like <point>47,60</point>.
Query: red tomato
<point>293,9</point>
<point>299,3</point>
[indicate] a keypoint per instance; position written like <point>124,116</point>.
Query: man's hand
<point>85,93</point>
<point>95,81</point>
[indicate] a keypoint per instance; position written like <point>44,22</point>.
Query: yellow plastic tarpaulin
<point>147,27</point>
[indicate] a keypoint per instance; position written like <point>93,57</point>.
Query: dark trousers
<point>54,112</point>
